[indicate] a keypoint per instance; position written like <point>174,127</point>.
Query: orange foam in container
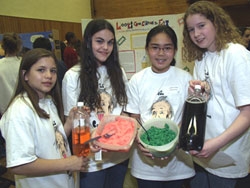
<point>123,129</point>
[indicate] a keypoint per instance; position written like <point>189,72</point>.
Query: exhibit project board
<point>131,37</point>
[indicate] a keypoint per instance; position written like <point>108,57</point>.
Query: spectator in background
<point>70,55</point>
<point>78,48</point>
<point>44,43</point>
<point>245,33</point>
<point>9,66</point>
<point>62,46</point>
<point>23,51</point>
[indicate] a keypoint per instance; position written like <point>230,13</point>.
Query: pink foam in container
<point>123,130</point>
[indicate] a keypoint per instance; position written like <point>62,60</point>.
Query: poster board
<point>131,37</point>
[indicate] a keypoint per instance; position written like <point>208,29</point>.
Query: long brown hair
<point>88,74</point>
<point>29,59</point>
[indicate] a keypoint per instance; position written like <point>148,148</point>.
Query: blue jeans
<point>204,179</point>
<point>112,177</point>
<point>159,184</point>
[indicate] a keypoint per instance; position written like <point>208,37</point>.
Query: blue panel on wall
<point>29,38</point>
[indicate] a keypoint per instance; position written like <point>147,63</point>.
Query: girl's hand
<point>68,125</point>
<point>71,115</point>
<point>192,83</point>
<point>77,163</point>
<point>210,147</point>
<point>146,152</point>
<point>142,148</point>
<point>94,148</point>
<point>87,109</point>
<point>205,87</point>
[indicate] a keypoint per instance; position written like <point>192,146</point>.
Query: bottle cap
<point>80,104</point>
<point>197,87</point>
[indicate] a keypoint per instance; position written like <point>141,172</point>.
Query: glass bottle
<point>81,132</point>
<point>192,131</point>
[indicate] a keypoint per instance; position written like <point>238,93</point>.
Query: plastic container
<point>121,140</point>
<point>81,132</point>
<point>192,131</point>
<point>164,150</point>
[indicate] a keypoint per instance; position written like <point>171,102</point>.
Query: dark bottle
<point>192,131</point>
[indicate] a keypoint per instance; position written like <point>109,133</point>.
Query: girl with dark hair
<point>99,72</point>
<point>36,139</point>
<point>165,99</point>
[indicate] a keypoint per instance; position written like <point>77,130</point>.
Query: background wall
<point>62,10</point>
<point>238,9</point>
<point>22,16</point>
<point>25,16</point>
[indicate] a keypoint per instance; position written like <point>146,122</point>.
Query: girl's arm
<point>237,128</point>
<point>41,167</point>
<point>69,121</point>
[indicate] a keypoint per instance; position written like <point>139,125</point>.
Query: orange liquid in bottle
<point>79,136</point>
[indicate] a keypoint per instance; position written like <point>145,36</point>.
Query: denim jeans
<point>204,179</point>
<point>112,177</point>
<point>159,184</point>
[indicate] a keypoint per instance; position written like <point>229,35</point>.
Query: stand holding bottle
<point>81,132</point>
<point>192,131</point>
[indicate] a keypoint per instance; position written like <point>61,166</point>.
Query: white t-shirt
<point>160,95</point>
<point>29,137</point>
<point>228,73</point>
<point>70,92</point>
<point>9,67</point>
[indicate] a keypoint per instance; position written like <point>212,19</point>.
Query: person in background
<point>62,47</point>
<point>9,66</point>
<point>33,123</point>
<point>168,92</point>
<point>245,33</point>
<point>213,42</point>
<point>42,42</point>
<point>23,51</point>
<point>99,70</point>
<point>70,55</point>
<point>78,49</point>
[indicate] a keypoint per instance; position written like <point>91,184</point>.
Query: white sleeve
<point>70,90</point>
<point>133,97</point>
<point>18,131</point>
